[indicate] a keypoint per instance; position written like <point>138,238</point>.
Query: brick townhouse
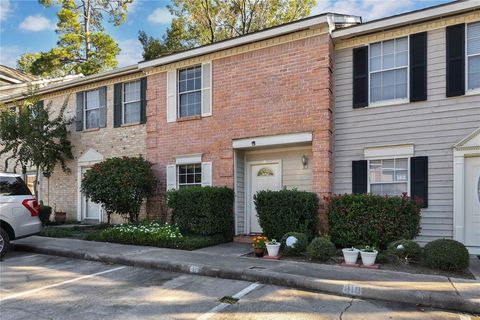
<point>310,105</point>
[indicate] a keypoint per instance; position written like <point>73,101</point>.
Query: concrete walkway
<point>428,290</point>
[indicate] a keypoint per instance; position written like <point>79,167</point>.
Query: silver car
<point>18,211</point>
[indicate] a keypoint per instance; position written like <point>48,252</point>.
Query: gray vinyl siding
<point>240,192</point>
<point>432,126</point>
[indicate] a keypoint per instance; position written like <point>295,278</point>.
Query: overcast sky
<point>26,26</point>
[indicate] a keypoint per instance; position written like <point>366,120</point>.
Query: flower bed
<point>148,233</point>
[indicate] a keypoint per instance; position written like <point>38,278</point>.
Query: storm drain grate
<point>229,300</point>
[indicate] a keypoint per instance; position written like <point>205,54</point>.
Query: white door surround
<point>466,161</point>
<point>88,159</point>
<point>261,175</point>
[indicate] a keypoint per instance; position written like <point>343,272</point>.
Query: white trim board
<point>188,158</point>
<point>393,151</point>
<point>265,141</point>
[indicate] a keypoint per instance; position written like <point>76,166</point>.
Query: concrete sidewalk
<point>435,291</point>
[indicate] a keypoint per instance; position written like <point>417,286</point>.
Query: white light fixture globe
<point>290,242</point>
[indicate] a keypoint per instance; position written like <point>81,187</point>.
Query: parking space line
<point>16,295</point>
<point>222,306</point>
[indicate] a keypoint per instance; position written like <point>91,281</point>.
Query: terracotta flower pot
<point>259,252</point>
<point>60,217</point>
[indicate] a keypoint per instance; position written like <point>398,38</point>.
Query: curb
<point>342,288</point>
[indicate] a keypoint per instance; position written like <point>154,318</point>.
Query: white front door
<point>264,176</point>
<point>472,201</point>
<point>90,210</point>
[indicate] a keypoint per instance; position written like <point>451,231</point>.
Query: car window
<point>13,186</point>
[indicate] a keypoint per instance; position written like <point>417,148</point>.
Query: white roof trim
<point>467,139</point>
<point>394,151</point>
<point>189,158</point>
<point>408,18</point>
<point>272,140</point>
<point>254,37</point>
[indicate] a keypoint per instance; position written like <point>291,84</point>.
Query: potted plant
<point>369,255</point>
<point>273,247</point>
<point>350,255</point>
<point>258,245</point>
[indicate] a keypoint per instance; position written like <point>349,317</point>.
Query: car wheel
<point>4,242</point>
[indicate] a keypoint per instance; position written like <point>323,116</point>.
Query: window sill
<point>387,103</point>
<point>91,130</point>
<point>189,118</point>
<point>472,92</point>
<point>130,124</point>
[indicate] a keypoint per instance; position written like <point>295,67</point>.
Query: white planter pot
<point>368,258</point>
<point>273,249</point>
<point>350,256</point>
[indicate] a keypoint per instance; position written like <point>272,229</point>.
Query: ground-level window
<point>388,176</point>
<point>189,175</point>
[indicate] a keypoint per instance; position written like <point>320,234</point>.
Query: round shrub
<point>285,211</point>
<point>371,219</point>
<point>446,254</point>
<point>298,248</point>
<point>320,249</point>
<point>405,250</point>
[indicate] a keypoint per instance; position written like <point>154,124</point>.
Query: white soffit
<point>395,151</point>
<point>272,140</point>
<point>189,158</point>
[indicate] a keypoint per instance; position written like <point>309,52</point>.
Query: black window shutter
<point>117,105</point>
<point>79,113</point>
<point>419,179</point>
<point>418,67</point>
<point>455,60</point>
<point>360,77</point>
<point>102,119</point>
<point>359,176</point>
<point>143,100</point>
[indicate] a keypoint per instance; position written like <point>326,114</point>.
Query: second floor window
<point>92,109</point>
<point>190,91</point>
<point>131,102</point>
<point>473,56</point>
<point>388,62</point>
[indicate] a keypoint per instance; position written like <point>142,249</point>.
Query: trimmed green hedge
<point>202,210</point>
<point>371,219</point>
<point>285,211</point>
<point>446,254</point>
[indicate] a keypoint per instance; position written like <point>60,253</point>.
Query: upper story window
<point>388,61</point>
<point>92,109</point>
<point>473,55</point>
<point>388,176</point>
<point>131,102</point>
<point>190,91</point>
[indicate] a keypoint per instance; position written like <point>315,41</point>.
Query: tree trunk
<point>35,185</point>
<point>86,15</point>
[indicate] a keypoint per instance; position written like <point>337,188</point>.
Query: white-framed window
<point>389,176</point>
<point>131,102</point>
<point>92,109</point>
<point>190,91</point>
<point>388,70</point>
<point>472,64</point>
<point>189,175</point>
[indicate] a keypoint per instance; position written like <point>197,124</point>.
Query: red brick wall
<point>276,90</point>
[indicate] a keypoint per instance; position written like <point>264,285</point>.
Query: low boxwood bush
<point>298,248</point>
<point>372,219</point>
<point>202,210</point>
<point>405,250</point>
<point>320,249</point>
<point>446,254</point>
<point>44,213</point>
<point>285,211</point>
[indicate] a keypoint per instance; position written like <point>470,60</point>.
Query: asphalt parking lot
<point>35,286</point>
